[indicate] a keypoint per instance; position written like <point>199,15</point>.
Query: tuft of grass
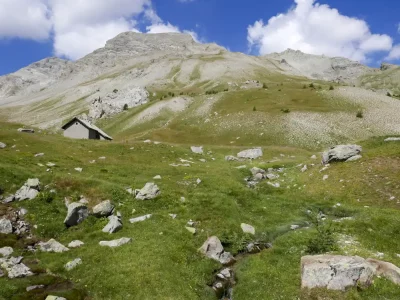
<point>360,114</point>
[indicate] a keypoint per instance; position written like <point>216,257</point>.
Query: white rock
<point>52,246</point>
<point>149,191</point>
<point>78,169</point>
<point>50,164</point>
<point>392,139</point>
<point>103,209</point>
<point>73,264</point>
<point>303,169</point>
<point>325,177</point>
<point>114,224</point>
<point>250,153</point>
<point>313,157</point>
<point>115,243</point>
<point>19,271</point>
<point>2,145</point>
<point>173,216</point>
<point>198,181</point>
<point>5,226</point>
<point>157,177</point>
<point>198,150</point>
<point>39,154</point>
<point>213,249</point>
<point>140,219</point>
<point>248,228</point>
<point>75,244</point>
<point>6,251</point>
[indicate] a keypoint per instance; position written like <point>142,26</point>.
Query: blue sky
<point>363,30</point>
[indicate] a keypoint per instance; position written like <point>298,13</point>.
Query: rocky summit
<point>158,167</point>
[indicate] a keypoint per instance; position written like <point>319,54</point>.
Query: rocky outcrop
<point>212,248</point>
<point>148,192</point>
<point>117,101</point>
<point>77,212</point>
<point>341,153</point>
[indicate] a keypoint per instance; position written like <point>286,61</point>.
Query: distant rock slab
<point>391,139</point>
<point>115,243</point>
<point>250,153</point>
<point>340,153</point>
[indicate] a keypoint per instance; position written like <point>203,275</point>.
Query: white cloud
<point>317,29</point>
<point>26,19</point>
<point>394,53</point>
<point>78,26</point>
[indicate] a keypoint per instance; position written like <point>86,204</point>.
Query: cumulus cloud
<point>78,27</point>
<point>24,19</point>
<point>394,53</point>
<point>317,29</point>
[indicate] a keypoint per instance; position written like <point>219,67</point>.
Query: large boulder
<point>114,224</point>
<point>77,212</point>
<point>52,246</point>
<point>386,269</point>
<point>6,251</point>
<point>115,243</point>
<point>103,209</point>
<point>5,226</point>
<point>335,272</point>
<point>149,191</point>
<point>19,271</point>
<point>212,248</point>
<point>29,190</point>
<point>340,153</point>
<point>250,153</point>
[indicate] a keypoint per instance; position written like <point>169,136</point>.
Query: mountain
<point>139,78</point>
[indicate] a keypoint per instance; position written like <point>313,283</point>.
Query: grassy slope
<point>162,262</point>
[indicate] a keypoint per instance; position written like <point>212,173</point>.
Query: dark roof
<point>88,125</point>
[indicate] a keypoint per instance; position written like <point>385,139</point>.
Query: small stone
<point>102,157</point>
<point>52,246</point>
<point>75,244</point>
<point>140,219</point>
<point>294,227</point>
<point>250,154</point>
<point>2,145</point>
<point>115,243</point>
<point>304,168</point>
<point>5,226</point>
<point>173,216</point>
<point>73,264</point>
<point>325,177</point>
<point>157,177</point>
<point>183,199</point>
<point>197,150</point>
<point>34,287</point>
<point>39,154</point>
<point>202,160</point>
<point>6,251</point>
<point>147,141</point>
<point>198,181</point>
<point>50,164</point>
<point>114,224</point>
<point>78,169</point>
<point>50,297</point>
<point>248,228</point>
<point>191,229</point>
<point>313,157</point>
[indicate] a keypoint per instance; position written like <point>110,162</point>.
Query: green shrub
<point>45,197</point>
<point>324,240</point>
<point>311,85</point>
<point>254,108</point>
<point>115,91</point>
<point>388,94</point>
<point>125,106</point>
<point>360,114</point>
<point>265,86</point>
<point>285,110</point>
<point>331,88</point>
<point>304,86</point>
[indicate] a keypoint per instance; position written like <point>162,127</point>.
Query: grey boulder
<point>250,153</point>
<point>29,190</point>
<point>335,272</point>
<point>5,226</point>
<point>77,212</point>
<point>340,153</point>
<point>19,271</point>
<point>149,191</point>
<point>115,243</point>
<point>212,248</point>
<point>114,224</point>
<point>52,246</point>
<point>103,209</point>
